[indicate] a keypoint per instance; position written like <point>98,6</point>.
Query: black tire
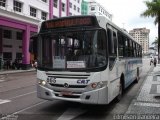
<point>121,89</point>
<point>119,97</point>
<point>137,77</point>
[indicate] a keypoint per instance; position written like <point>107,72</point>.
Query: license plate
<point>66,93</point>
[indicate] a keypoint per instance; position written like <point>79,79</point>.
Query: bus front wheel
<point>121,89</point>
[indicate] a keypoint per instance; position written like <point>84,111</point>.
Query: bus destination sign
<point>71,22</point>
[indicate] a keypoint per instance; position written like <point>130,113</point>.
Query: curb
<point>15,71</point>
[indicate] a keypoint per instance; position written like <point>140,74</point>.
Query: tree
<point>155,42</point>
<point>153,10</point>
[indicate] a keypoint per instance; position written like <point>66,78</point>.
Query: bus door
<point>112,46</point>
<point>113,60</point>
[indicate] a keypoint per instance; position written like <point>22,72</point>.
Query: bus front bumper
<point>98,96</point>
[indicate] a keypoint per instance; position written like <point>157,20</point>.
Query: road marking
<point>14,114</point>
<point>29,107</point>
<point>22,95</point>
<point>2,80</point>
<point>71,113</point>
<point>147,104</point>
<point>4,101</point>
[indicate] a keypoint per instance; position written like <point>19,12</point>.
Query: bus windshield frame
<point>73,50</point>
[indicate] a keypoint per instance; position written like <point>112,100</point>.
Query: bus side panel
<point>131,70</point>
<point>114,77</point>
<point>105,96</point>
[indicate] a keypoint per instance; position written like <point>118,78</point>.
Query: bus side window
<point>109,35</point>
<point>112,47</point>
<point>126,47</point>
<point>115,43</point>
<point>120,45</point>
<point>134,49</point>
<point>129,48</point>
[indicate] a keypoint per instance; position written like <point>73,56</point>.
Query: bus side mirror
<point>33,45</point>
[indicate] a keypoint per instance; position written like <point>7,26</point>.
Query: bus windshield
<point>73,50</point>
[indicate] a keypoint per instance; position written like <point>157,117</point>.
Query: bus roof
<point>81,20</point>
<point>71,21</point>
<point>107,21</point>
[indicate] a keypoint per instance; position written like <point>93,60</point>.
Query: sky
<point>126,14</point>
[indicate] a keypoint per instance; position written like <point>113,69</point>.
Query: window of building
<point>43,15</point>
<point>44,1</point>
<point>18,55</point>
<point>3,3</point>
<point>7,46</point>
<point>55,3</point>
<point>7,55</point>
<point>78,9</point>
<point>33,12</point>
<point>70,4</point>
<point>63,7</point>
<point>74,7</point>
<point>7,34</point>
<point>17,6</point>
<point>55,16</point>
<point>92,8</point>
<point>78,1</point>
<point>70,14</point>
<point>19,35</point>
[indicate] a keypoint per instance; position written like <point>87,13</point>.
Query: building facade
<point>94,8</point>
<point>141,35</point>
<point>19,19</point>
<point>84,8</point>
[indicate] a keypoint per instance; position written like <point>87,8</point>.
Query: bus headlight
<point>42,82</point>
<point>96,85</point>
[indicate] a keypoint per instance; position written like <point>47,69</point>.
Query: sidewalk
<point>148,99</point>
<point>2,72</point>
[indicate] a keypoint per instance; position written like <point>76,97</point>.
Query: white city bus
<point>85,59</point>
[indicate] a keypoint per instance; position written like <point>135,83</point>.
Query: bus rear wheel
<point>137,76</point>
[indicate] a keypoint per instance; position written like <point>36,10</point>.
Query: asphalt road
<point>18,99</point>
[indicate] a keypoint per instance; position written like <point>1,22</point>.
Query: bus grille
<point>68,96</point>
<point>70,86</point>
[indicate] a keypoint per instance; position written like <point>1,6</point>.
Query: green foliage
<point>153,10</point>
<point>155,41</point>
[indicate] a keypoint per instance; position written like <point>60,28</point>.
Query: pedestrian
<point>35,64</point>
<point>155,62</point>
<point>151,60</point>
<point>8,64</point>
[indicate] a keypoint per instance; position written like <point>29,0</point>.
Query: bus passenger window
<point>115,42</point>
<point>120,45</point>
<point>126,47</point>
<point>109,37</point>
<point>112,46</point>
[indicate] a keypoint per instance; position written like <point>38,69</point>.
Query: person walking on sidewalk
<point>155,62</point>
<point>35,64</point>
<point>151,60</point>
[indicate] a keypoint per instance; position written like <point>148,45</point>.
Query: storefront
<point>22,29</point>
